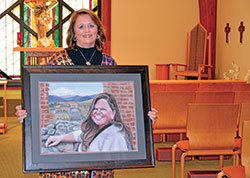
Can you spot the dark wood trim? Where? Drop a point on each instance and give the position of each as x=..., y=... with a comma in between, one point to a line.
x=24, y=25
x=21, y=30
x=57, y=26
x=99, y=9
x=67, y=6
x=60, y=24
x=11, y=8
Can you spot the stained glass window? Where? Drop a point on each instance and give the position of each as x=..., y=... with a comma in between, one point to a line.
x=9, y=27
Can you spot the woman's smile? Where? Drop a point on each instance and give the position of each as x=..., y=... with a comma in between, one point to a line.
x=102, y=113
x=98, y=117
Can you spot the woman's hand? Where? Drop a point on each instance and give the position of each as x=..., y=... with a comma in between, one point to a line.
x=53, y=141
x=20, y=113
x=153, y=114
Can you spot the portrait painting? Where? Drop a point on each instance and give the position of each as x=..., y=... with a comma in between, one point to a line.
x=86, y=118
x=68, y=106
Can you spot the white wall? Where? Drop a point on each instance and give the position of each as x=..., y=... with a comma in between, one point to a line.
x=232, y=12
x=148, y=32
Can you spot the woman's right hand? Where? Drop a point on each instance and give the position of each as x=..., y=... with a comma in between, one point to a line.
x=20, y=113
x=53, y=141
x=153, y=114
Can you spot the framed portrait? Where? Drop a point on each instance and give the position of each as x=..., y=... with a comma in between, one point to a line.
x=86, y=118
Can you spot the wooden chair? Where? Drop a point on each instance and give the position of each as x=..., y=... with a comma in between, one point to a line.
x=244, y=115
x=242, y=97
x=241, y=86
x=154, y=88
x=214, y=97
x=161, y=86
x=242, y=171
x=215, y=87
x=210, y=131
x=184, y=87
x=172, y=112
x=198, y=55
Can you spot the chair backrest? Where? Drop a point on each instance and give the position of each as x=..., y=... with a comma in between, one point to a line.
x=184, y=87
x=244, y=115
x=215, y=87
x=212, y=126
x=245, y=151
x=242, y=97
x=197, y=47
x=214, y=97
x=241, y=86
x=172, y=109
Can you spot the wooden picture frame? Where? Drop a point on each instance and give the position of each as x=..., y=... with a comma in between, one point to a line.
x=46, y=115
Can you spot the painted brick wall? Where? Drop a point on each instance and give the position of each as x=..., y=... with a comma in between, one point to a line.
x=45, y=116
x=124, y=94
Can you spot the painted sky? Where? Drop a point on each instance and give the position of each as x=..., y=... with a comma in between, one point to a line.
x=75, y=88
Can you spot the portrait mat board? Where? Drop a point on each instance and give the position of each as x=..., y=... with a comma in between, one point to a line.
x=109, y=89
x=35, y=161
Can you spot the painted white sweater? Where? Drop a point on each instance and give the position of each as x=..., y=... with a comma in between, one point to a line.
x=110, y=139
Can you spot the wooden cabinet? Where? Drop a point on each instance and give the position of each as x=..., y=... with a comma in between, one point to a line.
x=162, y=71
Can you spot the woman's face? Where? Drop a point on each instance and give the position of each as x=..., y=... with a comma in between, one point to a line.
x=102, y=113
x=85, y=31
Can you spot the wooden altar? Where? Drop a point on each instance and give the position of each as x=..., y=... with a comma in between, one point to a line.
x=162, y=71
x=37, y=55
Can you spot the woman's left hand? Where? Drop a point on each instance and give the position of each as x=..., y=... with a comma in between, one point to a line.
x=153, y=114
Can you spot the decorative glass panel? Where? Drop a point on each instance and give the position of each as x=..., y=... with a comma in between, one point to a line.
x=10, y=61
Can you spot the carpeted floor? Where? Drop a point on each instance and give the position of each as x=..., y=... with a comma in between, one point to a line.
x=11, y=159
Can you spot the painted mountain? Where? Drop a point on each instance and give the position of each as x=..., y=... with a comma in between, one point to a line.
x=75, y=98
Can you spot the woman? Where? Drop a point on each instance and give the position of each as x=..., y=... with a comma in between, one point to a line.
x=85, y=40
x=103, y=129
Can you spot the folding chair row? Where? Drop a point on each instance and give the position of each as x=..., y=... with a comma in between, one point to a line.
x=204, y=86
x=172, y=107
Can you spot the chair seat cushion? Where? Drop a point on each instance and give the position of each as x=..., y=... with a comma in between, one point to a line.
x=234, y=171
